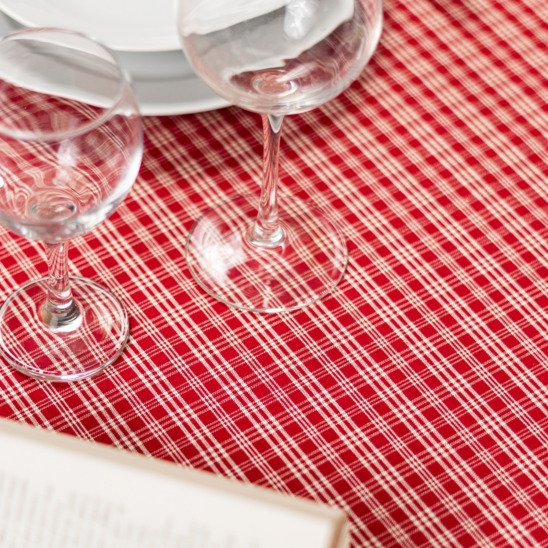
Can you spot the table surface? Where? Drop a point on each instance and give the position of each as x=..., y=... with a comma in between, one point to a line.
x=415, y=397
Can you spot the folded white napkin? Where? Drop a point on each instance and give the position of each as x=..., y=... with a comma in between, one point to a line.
x=303, y=24
x=207, y=16
x=212, y=15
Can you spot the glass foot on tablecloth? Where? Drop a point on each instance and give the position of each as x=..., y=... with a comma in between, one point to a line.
x=306, y=265
x=92, y=342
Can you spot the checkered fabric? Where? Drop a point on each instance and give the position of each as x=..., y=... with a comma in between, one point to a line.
x=416, y=396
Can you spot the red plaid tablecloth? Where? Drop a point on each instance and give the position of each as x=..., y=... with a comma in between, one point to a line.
x=416, y=396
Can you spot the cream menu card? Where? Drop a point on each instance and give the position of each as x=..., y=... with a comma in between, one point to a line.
x=58, y=491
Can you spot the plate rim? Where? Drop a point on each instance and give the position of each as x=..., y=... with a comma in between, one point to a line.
x=161, y=43
x=149, y=106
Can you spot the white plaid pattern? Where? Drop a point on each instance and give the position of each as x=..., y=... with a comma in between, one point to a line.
x=415, y=397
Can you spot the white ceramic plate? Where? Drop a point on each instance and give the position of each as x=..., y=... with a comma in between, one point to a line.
x=123, y=25
x=164, y=82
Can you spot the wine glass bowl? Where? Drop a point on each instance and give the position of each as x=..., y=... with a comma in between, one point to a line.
x=70, y=150
x=292, y=58
x=269, y=253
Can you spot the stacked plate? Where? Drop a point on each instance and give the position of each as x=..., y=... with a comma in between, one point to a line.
x=143, y=35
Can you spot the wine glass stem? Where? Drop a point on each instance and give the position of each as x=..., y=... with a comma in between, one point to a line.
x=267, y=230
x=60, y=311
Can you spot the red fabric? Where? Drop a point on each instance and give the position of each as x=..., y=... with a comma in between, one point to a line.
x=415, y=397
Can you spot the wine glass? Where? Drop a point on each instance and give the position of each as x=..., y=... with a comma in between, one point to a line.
x=269, y=253
x=70, y=149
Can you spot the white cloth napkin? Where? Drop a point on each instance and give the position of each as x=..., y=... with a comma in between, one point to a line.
x=303, y=24
x=212, y=15
x=208, y=16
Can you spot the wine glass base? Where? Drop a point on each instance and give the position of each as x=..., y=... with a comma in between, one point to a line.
x=31, y=347
x=227, y=265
